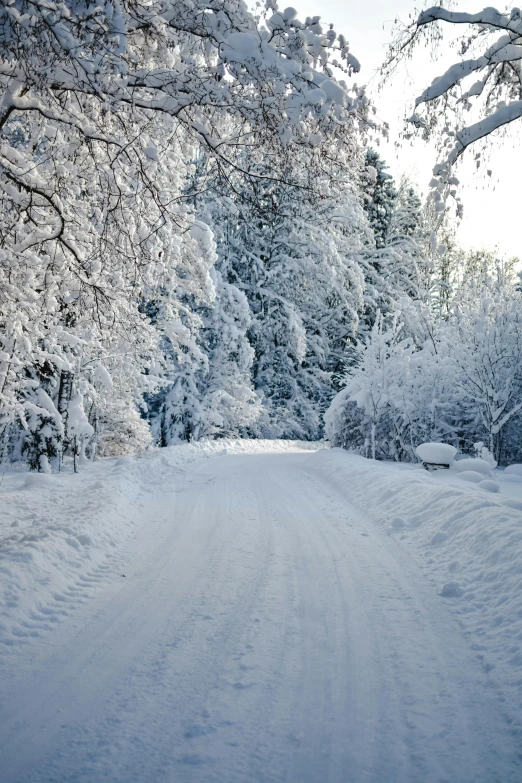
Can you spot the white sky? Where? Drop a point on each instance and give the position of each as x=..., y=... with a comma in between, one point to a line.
x=491, y=205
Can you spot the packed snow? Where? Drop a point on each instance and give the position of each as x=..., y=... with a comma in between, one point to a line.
x=60, y=535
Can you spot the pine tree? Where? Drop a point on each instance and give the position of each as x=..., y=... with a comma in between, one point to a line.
x=380, y=195
x=295, y=255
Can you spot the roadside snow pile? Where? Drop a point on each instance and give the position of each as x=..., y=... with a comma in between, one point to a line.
x=212, y=448
x=471, y=475
x=475, y=464
x=436, y=453
x=468, y=539
x=61, y=535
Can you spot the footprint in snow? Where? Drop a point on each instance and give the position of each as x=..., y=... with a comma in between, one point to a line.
x=198, y=731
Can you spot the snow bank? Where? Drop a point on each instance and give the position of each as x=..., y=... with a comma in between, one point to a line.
x=477, y=465
x=61, y=536
x=471, y=475
x=514, y=470
x=467, y=539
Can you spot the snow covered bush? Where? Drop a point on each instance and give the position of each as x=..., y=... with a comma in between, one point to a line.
x=372, y=385
x=486, y=338
x=421, y=379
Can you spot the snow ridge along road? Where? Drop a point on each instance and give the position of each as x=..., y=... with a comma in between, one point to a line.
x=265, y=631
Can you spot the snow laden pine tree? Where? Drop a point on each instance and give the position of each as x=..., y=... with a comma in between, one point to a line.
x=380, y=195
x=294, y=253
x=227, y=388
x=206, y=385
x=396, y=262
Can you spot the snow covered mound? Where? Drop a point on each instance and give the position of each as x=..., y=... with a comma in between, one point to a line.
x=61, y=535
x=469, y=542
x=490, y=486
x=212, y=448
x=475, y=464
x=509, y=478
x=515, y=470
x=437, y=453
x=471, y=475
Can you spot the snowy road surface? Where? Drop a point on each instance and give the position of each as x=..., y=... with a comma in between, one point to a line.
x=258, y=628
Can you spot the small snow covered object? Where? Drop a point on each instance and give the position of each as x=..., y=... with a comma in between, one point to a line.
x=436, y=455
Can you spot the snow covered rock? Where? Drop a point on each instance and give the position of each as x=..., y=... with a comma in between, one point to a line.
x=436, y=453
x=476, y=465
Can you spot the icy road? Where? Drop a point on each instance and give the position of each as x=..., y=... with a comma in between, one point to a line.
x=257, y=629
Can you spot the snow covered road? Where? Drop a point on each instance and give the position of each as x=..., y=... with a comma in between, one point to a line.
x=258, y=628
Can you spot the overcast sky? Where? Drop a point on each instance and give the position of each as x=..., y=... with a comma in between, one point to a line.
x=492, y=205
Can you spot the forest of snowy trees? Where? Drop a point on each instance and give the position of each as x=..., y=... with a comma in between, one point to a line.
x=198, y=239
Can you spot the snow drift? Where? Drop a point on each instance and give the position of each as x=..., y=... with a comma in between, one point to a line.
x=468, y=540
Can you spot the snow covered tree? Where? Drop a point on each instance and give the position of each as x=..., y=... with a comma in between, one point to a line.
x=496, y=91
x=456, y=379
x=405, y=269
x=372, y=385
x=294, y=253
x=487, y=358
x=104, y=109
x=485, y=87
x=398, y=266
x=380, y=195
x=206, y=386
x=227, y=388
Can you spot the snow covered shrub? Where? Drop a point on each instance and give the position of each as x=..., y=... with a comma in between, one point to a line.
x=483, y=453
x=345, y=423
x=419, y=378
x=121, y=431
x=78, y=429
x=373, y=385
x=486, y=353
x=43, y=433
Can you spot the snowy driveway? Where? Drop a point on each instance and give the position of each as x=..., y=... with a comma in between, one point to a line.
x=263, y=631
